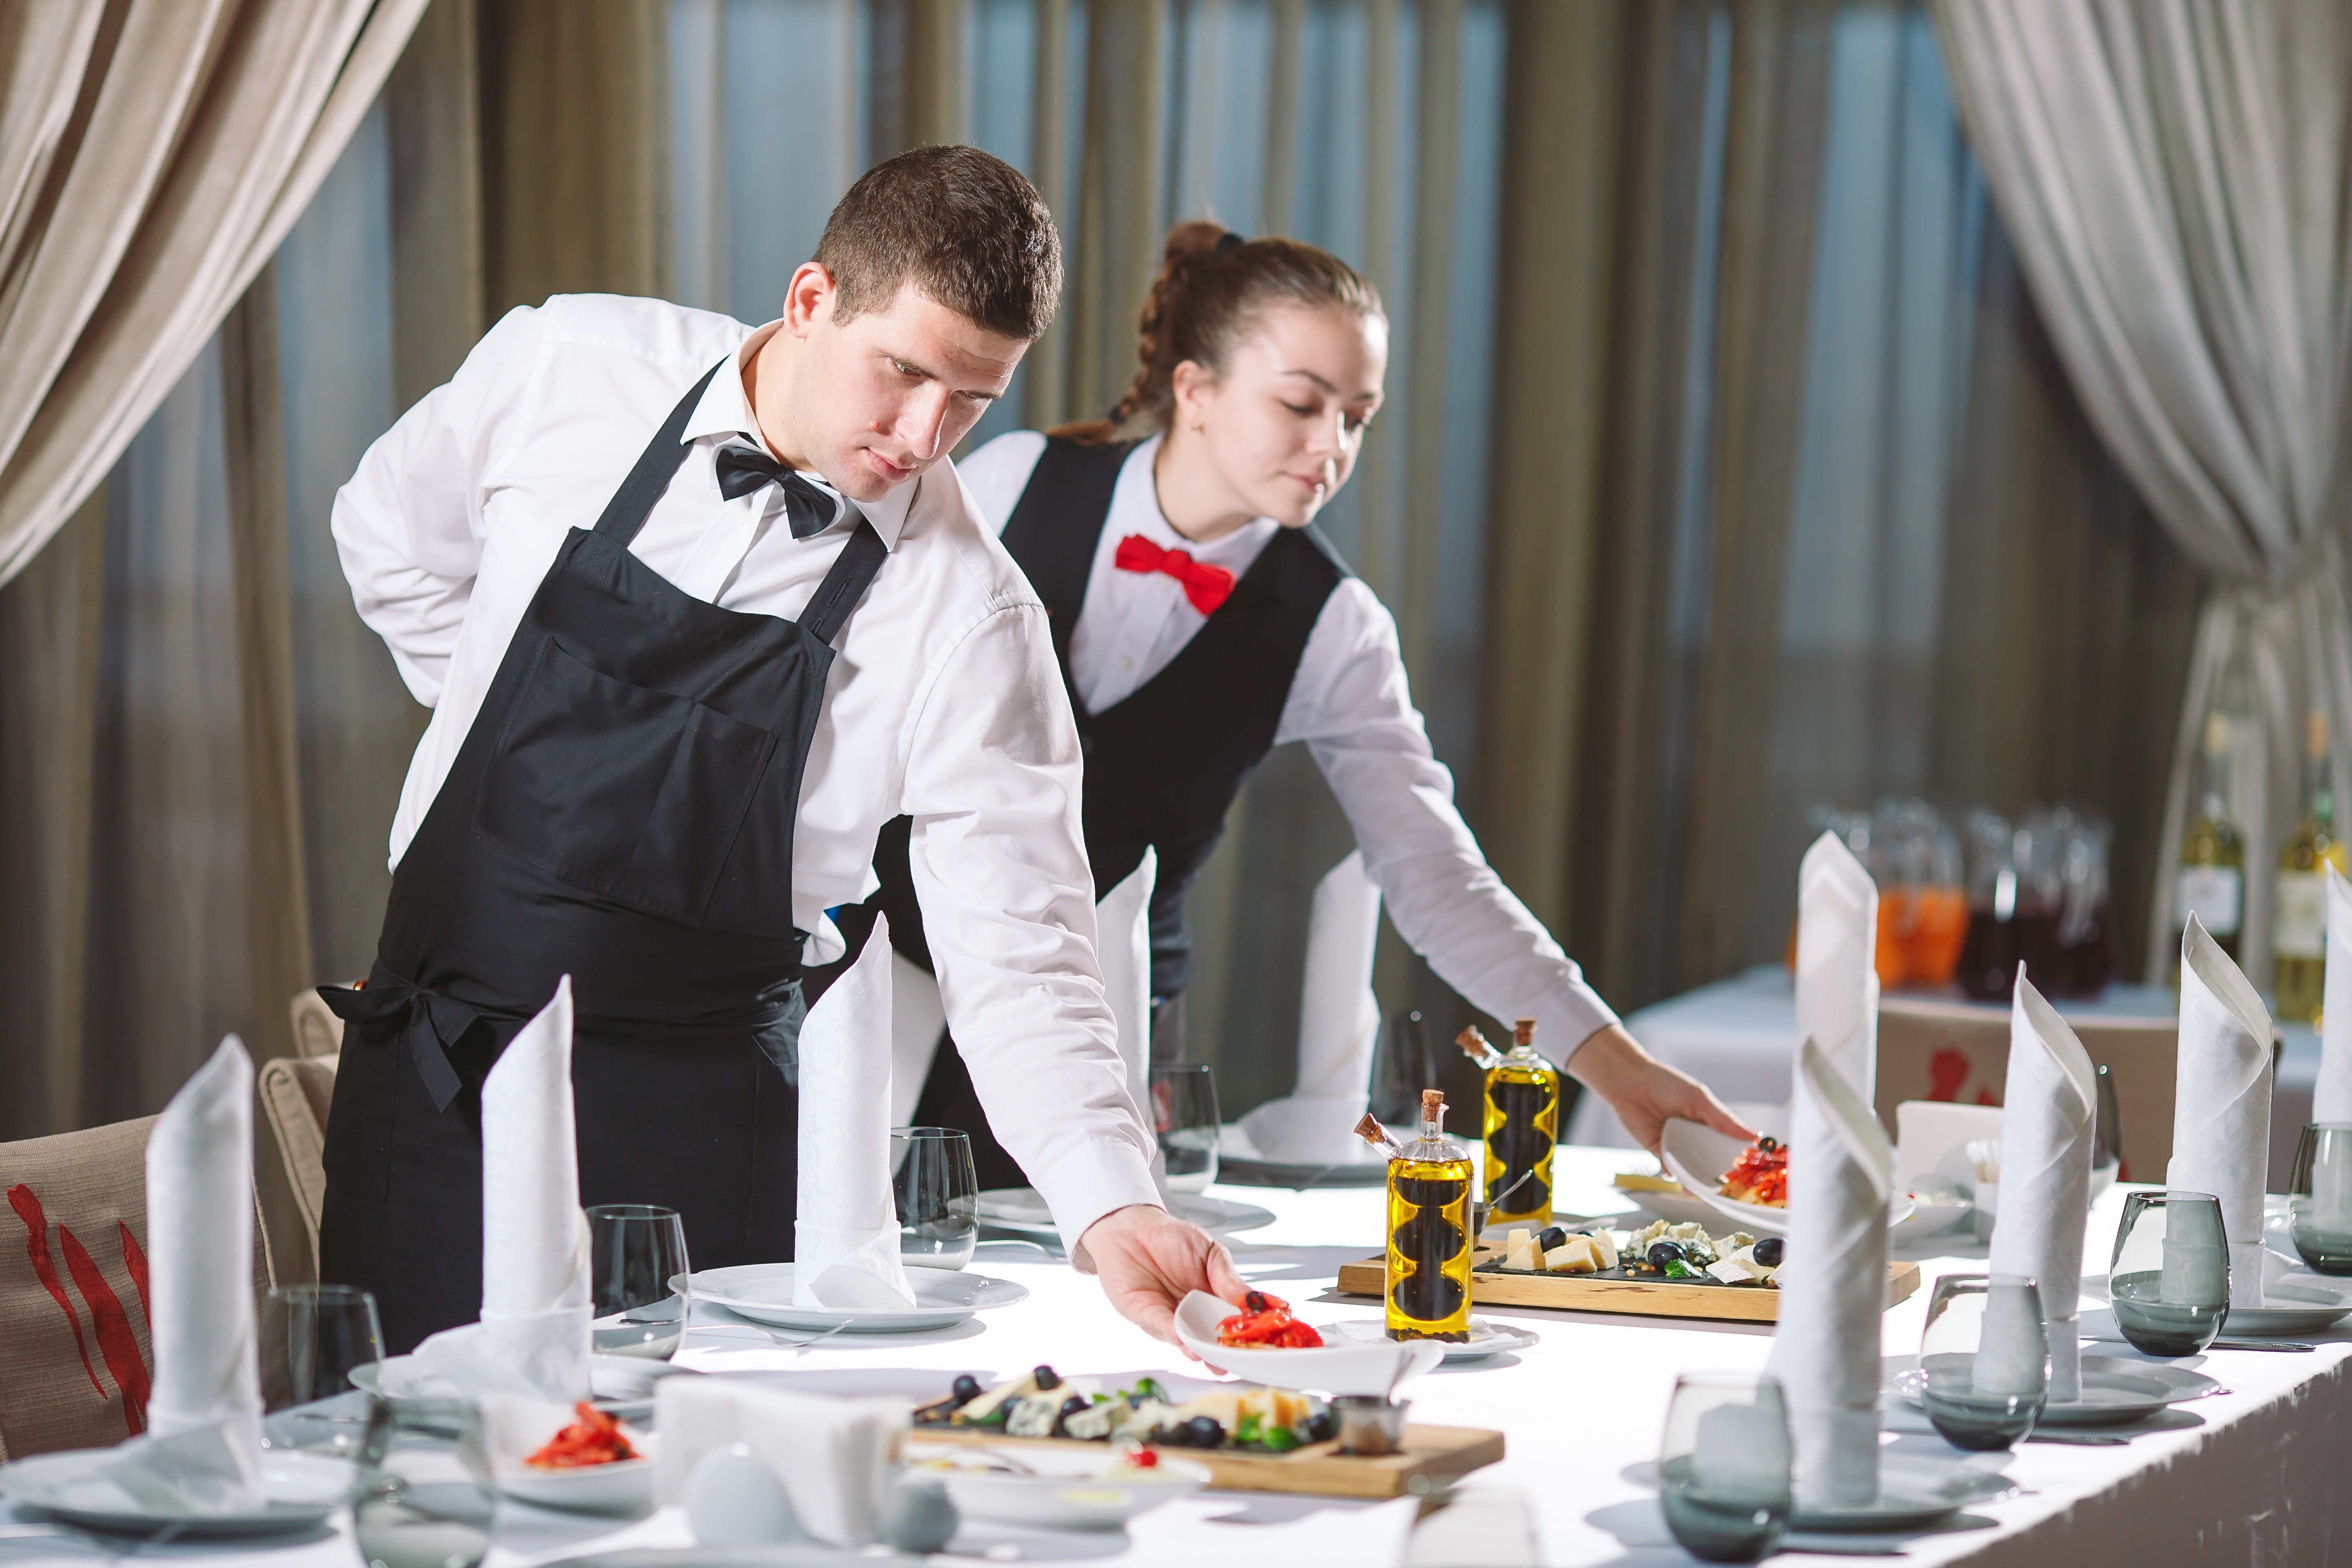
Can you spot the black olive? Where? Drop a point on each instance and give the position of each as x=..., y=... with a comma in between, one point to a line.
x=967, y=1389
x=1767, y=1145
x=1322, y=1427
x=1551, y=1237
x=1256, y=1302
x=1662, y=1253
x=1206, y=1432
x=1047, y=1379
x=1769, y=1252
x=1072, y=1405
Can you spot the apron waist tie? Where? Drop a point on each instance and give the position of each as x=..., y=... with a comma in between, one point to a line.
x=432, y=1022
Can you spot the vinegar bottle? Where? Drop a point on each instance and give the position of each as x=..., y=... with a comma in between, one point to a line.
x=2211, y=877
x=1521, y=1125
x=2299, y=936
x=1429, y=1233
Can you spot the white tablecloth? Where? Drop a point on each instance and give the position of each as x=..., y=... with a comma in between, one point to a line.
x=2249, y=1476
x=1738, y=1036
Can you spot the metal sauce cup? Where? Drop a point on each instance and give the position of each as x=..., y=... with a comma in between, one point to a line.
x=1369, y=1425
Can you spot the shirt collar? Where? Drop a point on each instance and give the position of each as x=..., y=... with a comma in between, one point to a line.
x=724, y=412
x=1135, y=509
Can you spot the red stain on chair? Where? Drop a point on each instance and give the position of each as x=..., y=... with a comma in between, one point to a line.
x=134, y=1263
x=36, y=1246
x=1947, y=1069
x=115, y=1341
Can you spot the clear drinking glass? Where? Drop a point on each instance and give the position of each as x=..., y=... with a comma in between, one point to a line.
x=425, y=1500
x=937, y=1195
x=2169, y=1281
x=637, y=1271
x=1185, y=1110
x=1724, y=1466
x=312, y=1336
x=1986, y=1359
x=2321, y=1206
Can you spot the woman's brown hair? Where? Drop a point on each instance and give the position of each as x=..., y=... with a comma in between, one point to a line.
x=1213, y=287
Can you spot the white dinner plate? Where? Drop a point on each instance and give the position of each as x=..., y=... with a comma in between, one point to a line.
x=1676, y=1208
x=2288, y=1308
x=1915, y=1490
x=301, y=1488
x=2116, y=1390
x=1021, y=1211
x=763, y=1293
x=1379, y=1367
x=513, y=1428
x=1488, y=1338
x=612, y=1379
x=1065, y=1488
x=1238, y=1160
x=1696, y=1156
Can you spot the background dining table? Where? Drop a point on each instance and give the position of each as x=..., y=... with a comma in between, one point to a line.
x=2246, y=1475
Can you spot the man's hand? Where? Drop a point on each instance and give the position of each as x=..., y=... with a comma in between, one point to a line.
x=1644, y=1092
x=1147, y=1260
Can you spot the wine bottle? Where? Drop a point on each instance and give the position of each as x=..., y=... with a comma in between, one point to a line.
x=2299, y=939
x=1428, y=1282
x=1521, y=1127
x=2211, y=882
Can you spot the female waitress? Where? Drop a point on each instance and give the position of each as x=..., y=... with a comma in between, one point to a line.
x=1201, y=619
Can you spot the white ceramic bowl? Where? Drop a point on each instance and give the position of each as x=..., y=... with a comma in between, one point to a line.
x=1341, y=1366
x=1068, y=1488
x=1697, y=1156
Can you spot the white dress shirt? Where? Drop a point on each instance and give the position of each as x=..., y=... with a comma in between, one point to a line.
x=944, y=702
x=1349, y=704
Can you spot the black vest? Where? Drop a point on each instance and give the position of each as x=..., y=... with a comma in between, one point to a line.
x=1164, y=763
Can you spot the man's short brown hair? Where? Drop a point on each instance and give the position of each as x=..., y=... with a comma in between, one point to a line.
x=962, y=227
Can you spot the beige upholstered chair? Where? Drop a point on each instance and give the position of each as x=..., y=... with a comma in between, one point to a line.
x=75, y=1361
x=295, y=1094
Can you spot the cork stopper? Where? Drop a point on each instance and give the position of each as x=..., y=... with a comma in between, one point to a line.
x=1474, y=1043
x=1370, y=1130
x=2315, y=733
x=1433, y=1104
x=1523, y=1032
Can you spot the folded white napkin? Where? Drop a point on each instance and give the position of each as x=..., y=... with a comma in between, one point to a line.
x=2221, y=1101
x=1837, y=977
x=845, y=1222
x=832, y=1455
x=1123, y=943
x=202, y=1451
x=2331, y=1097
x=1825, y=1347
x=2047, y=1110
x=533, y=1337
x=1339, y=1025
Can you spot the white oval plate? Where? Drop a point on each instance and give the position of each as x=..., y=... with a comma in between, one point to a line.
x=1023, y=1212
x=301, y=1488
x=1486, y=1337
x=1689, y=1149
x=1930, y=1218
x=1238, y=1160
x=624, y=1487
x=1378, y=1368
x=1069, y=1490
x=2292, y=1307
x=1914, y=1491
x=2116, y=1390
x=612, y=1379
x=1675, y=1209
x=763, y=1293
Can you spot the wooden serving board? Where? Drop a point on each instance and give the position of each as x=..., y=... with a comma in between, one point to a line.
x=1432, y=1455
x=1640, y=1298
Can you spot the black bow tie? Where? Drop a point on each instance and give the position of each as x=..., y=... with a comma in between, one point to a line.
x=741, y=471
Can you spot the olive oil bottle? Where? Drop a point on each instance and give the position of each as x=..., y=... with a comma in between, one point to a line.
x=2299, y=938
x=2210, y=881
x=1521, y=1125
x=1429, y=1233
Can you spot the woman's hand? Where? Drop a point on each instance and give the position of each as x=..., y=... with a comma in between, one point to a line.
x=1644, y=1092
x=1148, y=1261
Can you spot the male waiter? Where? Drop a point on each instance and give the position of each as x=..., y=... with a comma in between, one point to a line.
x=698, y=609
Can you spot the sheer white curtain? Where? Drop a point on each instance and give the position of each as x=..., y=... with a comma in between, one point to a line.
x=2178, y=179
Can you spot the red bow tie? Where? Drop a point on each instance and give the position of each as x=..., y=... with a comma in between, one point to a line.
x=1207, y=587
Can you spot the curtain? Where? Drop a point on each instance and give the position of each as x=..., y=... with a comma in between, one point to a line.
x=153, y=154
x=1793, y=504
x=2176, y=179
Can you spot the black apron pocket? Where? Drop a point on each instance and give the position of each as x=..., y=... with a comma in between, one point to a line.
x=635, y=796
x=357, y=1156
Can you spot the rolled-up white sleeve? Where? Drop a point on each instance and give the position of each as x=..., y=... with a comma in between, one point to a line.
x=408, y=524
x=1000, y=867
x=1351, y=705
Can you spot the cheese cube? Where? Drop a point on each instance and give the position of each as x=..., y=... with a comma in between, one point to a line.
x=1574, y=1256
x=1604, y=1247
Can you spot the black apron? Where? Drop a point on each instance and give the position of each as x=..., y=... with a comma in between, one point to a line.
x=1163, y=764
x=621, y=810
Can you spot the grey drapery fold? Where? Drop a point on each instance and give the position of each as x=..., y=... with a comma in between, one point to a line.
x=2178, y=180
x=151, y=157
